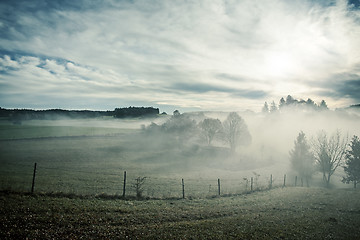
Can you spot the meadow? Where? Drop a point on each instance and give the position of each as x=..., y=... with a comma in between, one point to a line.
x=79, y=186
x=91, y=160
x=282, y=213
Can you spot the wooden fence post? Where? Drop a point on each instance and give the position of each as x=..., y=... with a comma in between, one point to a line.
x=33, y=180
x=219, y=192
x=295, y=180
x=183, y=188
x=251, y=184
x=284, y=180
x=270, y=185
x=124, y=186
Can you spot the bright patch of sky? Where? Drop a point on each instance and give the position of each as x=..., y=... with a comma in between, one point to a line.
x=187, y=55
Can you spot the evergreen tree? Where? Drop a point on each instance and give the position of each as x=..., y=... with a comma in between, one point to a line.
x=290, y=100
x=281, y=103
x=323, y=105
x=301, y=158
x=352, y=162
x=311, y=104
x=273, y=107
x=265, y=108
x=176, y=113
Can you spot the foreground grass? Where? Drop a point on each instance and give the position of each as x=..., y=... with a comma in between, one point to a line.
x=290, y=213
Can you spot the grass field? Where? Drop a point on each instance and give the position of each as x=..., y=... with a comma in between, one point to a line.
x=86, y=159
x=79, y=181
x=289, y=213
x=70, y=128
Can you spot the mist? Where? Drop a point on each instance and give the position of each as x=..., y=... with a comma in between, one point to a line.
x=172, y=146
x=272, y=137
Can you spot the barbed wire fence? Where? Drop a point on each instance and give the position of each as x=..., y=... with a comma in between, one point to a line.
x=47, y=179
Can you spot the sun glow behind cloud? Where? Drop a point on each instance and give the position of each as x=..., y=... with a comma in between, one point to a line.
x=210, y=55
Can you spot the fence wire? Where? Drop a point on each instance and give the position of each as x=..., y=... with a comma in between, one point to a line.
x=107, y=181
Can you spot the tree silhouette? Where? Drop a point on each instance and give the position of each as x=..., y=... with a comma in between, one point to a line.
x=329, y=153
x=323, y=105
x=210, y=128
x=281, y=103
x=352, y=162
x=273, y=107
x=290, y=100
x=265, y=108
x=301, y=158
x=180, y=126
x=235, y=131
x=176, y=113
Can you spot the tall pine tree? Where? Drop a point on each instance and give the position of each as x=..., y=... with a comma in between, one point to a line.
x=301, y=158
x=352, y=162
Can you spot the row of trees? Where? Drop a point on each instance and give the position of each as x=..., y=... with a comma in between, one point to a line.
x=293, y=103
x=18, y=115
x=325, y=155
x=233, y=130
x=133, y=112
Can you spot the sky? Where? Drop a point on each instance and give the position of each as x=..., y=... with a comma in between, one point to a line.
x=190, y=55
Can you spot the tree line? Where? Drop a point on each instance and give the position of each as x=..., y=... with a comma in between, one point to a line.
x=135, y=112
x=233, y=130
x=294, y=103
x=18, y=115
x=325, y=154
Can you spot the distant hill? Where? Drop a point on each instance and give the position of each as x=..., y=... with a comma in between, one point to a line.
x=18, y=115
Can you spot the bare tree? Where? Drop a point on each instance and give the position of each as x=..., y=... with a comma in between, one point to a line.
x=329, y=153
x=210, y=128
x=235, y=131
x=139, y=186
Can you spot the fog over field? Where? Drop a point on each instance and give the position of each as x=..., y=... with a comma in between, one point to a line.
x=78, y=159
x=205, y=59
x=175, y=146
x=190, y=117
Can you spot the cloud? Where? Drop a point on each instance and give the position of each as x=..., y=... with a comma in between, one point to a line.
x=244, y=51
x=206, y=88
x=350, y=89
x=200, y=87
x=343, y=86
x=7, y=63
